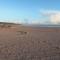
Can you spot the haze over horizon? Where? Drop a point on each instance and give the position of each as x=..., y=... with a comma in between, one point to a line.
x=30, y=11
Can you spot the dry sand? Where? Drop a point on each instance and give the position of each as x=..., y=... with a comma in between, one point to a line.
x=24, y=43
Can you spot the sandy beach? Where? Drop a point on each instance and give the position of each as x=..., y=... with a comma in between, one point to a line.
x=26, y=43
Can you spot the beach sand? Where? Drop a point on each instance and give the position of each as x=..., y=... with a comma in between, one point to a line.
x=27, y=43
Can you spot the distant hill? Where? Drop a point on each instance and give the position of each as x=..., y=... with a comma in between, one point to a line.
x=6, y=23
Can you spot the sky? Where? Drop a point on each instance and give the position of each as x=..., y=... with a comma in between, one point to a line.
x=30, y=11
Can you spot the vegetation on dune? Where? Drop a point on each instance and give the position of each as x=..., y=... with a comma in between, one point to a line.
x=6, y=25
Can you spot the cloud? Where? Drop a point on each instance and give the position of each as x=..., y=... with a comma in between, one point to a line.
x=52, y=15
x=35, y=22
x=55, y=18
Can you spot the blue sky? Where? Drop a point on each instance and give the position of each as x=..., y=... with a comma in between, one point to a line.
x=29, y=10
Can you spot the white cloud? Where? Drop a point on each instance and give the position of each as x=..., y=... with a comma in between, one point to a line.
x=35, y=22
x=55, y=18
x=53, y=15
